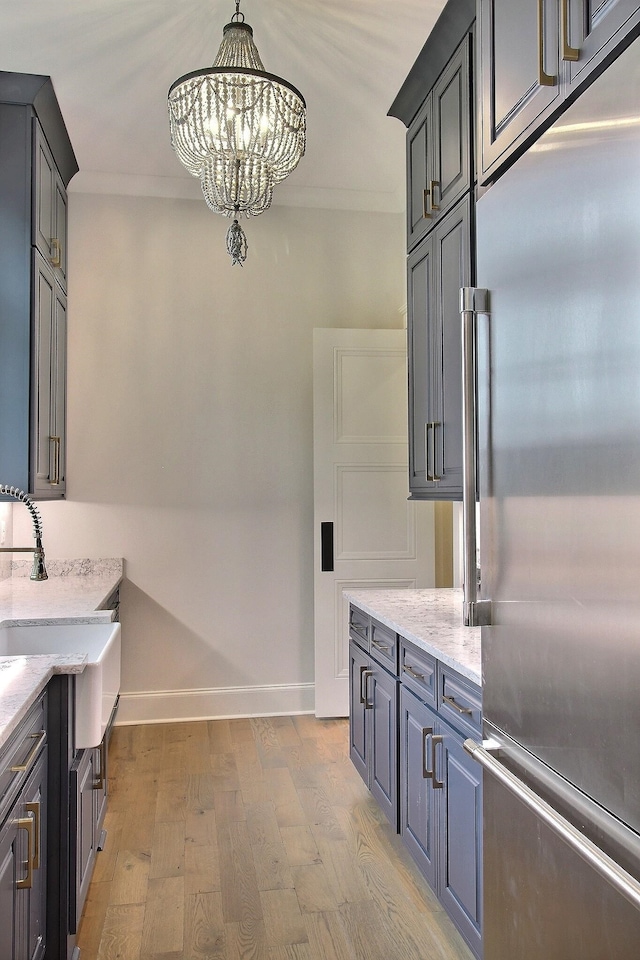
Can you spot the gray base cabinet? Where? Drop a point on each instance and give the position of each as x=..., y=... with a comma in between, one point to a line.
x=88, y=806
x=23, y=839
x=373, y=728
x=418, y=770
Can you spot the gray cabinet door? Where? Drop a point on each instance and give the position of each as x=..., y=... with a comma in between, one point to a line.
x=33, y=910
x=383, y=764
x=436, y=271
x=439, y=148
x=82, y=832
x=12, y=854
x=519, y=73
x=49, y=209
x=460, y=847
x=48, y=382
x=590, y=29
x=359, y=665
x=418, y=813
x=452, y=133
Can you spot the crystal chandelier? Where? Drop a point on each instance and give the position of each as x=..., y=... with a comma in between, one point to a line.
x=239, y=129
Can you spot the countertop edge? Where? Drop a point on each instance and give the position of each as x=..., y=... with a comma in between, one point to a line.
x=395, y=623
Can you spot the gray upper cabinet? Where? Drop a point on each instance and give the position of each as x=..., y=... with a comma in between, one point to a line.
x=535, y=57
x=436, y=104
x=437, y=268
x=49, y=209
x=36, y=165
x=439, y=148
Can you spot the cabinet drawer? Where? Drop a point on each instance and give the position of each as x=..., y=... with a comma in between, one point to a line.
x=460, y=701
x=19, y=755
x=418, y=672
x=383, y=646
x=359, y=626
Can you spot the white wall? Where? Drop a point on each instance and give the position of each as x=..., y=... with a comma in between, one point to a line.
x=190, y=435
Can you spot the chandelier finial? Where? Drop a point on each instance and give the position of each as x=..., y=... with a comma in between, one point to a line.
x=239, y=129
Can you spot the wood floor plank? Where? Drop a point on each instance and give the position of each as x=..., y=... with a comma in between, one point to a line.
x=300, y=845
x=167, y=855
x=269, y=855
x=269, y=747
x=201, y=856
x=280, y=788
x=131, y=878
x=282, y=917
x=204, y=928
x=122, y=932
x=163, y=927
x=314, y=888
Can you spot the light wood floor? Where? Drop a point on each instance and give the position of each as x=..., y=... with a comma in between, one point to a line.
x=252, y=839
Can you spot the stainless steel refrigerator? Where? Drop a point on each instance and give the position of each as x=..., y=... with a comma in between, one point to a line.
x=557, y=369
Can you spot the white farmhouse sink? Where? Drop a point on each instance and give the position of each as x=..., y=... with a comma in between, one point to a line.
x=97, y=686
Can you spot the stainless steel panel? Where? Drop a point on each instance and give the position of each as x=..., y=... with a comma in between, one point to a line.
x=559, y=435
x=540, y=898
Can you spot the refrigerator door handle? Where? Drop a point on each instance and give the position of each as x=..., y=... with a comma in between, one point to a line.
x=603, y=864
x=473, y=300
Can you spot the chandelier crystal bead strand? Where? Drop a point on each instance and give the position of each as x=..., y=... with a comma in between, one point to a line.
x=238, y=129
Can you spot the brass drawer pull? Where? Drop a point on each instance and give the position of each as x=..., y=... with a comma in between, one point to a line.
x=26, y=823
x=432, y=193
x=413, y=673
x=23, y=767
x=456, y=706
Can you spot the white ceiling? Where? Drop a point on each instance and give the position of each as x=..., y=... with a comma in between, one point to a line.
x=113, y=61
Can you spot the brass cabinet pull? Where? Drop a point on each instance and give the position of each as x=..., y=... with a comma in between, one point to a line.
x=34, y=808
x=456, y=706
x=544, y=79
x=56, y=461
x=437, y=784
x=412, y=672
x=432, y=193
x=26, y=823
x=23, y=767
x=568, y=52
x=426, y=773
x=425, y=205
x=55, y=256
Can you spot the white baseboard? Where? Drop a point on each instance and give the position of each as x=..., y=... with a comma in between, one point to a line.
x=164, y=706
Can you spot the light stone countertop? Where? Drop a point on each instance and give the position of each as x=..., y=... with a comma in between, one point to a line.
x=430, y=619
x=74, y=593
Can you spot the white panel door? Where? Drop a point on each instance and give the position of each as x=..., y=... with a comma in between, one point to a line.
x=379, y=538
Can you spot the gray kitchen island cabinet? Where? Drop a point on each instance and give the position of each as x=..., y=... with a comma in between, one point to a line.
x=373, y=729
x=36, y=165
x=23, y=839
x=535, y=57
x=438, y=810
